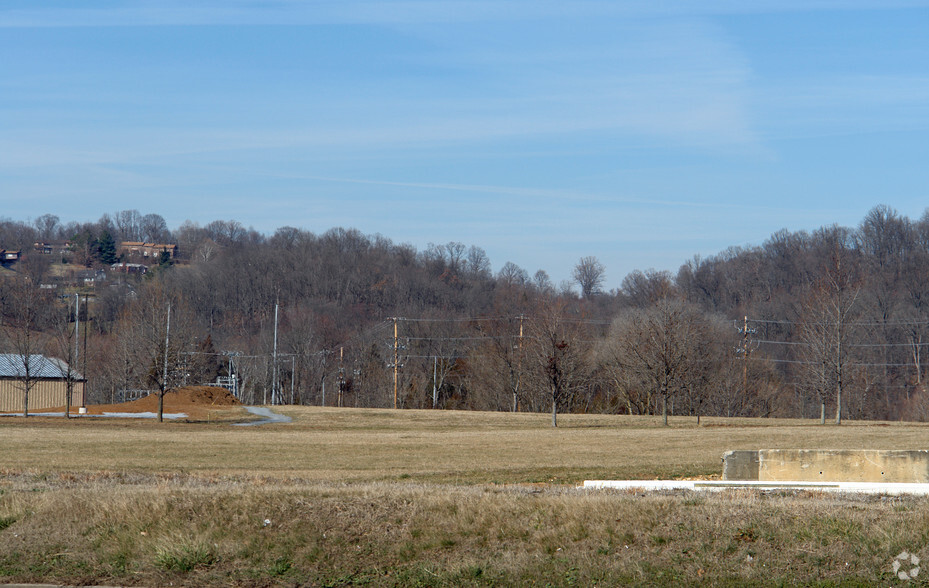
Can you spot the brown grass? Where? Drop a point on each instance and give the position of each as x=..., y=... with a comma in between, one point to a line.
x=329, y=444
x=431, y=498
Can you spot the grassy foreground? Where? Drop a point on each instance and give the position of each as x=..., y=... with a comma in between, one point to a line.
x=400, y=498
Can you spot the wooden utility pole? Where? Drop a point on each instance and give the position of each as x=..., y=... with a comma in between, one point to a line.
x=519, y=366
x=435, y=390
x=77, y=325
x=745, y=357
x=341, y=375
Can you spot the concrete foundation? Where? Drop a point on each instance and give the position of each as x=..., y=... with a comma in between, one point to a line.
x=710, y=486
x=824, y=465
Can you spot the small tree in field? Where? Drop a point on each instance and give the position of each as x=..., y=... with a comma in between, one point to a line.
x=24, y=307
x=157, y=335
x=63, y=345
x=561, y=354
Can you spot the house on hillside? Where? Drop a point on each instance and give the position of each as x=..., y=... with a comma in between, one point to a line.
x=49, y=389
x=129, y=268
x=8, y=257
x=52, y=247
x=136, y=250
x=89, y=277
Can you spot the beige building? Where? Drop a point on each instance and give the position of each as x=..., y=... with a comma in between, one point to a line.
x=50, y=383
x=136, y=250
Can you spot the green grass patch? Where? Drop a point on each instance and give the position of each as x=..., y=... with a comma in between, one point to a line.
x=185, y=556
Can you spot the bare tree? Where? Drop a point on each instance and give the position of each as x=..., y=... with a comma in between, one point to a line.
x=478, y=262
x=64, y=345
x=128, y=225
x=35, y=267
x=661, y=352
x=24, y=307
x=828, y=327
x=159, y=336
x=589, y=273
x=155, y=229
x=561, y=354
x=498, y=365
x=543, y=283
x=644, y=289
x=512, y=275
x=46, y=225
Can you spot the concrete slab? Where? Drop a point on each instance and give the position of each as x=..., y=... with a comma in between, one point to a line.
x=890, y=489
x=828, y=465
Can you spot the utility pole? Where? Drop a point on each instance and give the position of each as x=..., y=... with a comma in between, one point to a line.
x=341, y=375
x=274, y=359
x=435, y=391
x=838, y=371
x=744, y=351
x=745, y=356
x=396, y=361
x=519, y=366
x=72, y=361
x=77, y=325
x=84, y=358
x=356, y=383
x=164, y=375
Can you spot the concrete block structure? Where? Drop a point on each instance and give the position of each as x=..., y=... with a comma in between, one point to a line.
x=827, y=465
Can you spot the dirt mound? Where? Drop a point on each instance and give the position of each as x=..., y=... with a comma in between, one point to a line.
x=211, y=395
x=195, y=401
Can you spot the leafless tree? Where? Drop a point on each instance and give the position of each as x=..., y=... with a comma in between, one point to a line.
x=667, y=350
x=26, y=310
x=828, y=327
x=478, y=262
x=644, y=289
x=512, y=275
x=47, y=226
x=543, y=283
x=64, y=345
x=128, y=225
x=154, y=229
x=35, y=266
x=589, y=274
x=498, y=364
x=158, y=335
x=561, y=355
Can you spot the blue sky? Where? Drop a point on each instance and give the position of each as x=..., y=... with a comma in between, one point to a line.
x=640, y=132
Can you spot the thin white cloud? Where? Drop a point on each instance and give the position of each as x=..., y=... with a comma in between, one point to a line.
x=679, y=82
x=396, y=12
x=838, y=105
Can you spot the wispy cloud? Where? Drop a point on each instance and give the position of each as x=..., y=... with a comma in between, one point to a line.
x=677, y=81
x=393, y=12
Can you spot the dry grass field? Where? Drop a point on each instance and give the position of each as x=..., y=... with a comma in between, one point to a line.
x=380, y=497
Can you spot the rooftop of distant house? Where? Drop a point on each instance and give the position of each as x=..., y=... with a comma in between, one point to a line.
x=147, y=249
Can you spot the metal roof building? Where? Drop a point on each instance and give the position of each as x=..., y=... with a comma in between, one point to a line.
x=49, y=389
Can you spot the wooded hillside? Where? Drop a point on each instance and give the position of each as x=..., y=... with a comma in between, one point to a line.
x=835, y=317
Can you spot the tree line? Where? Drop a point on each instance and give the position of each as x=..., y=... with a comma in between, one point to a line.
x=807, y=324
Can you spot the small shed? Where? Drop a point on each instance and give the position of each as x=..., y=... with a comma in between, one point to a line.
x=49, y=389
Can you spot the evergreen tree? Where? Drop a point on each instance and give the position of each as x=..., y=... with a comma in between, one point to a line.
x=164, y=259
x=106, y=249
